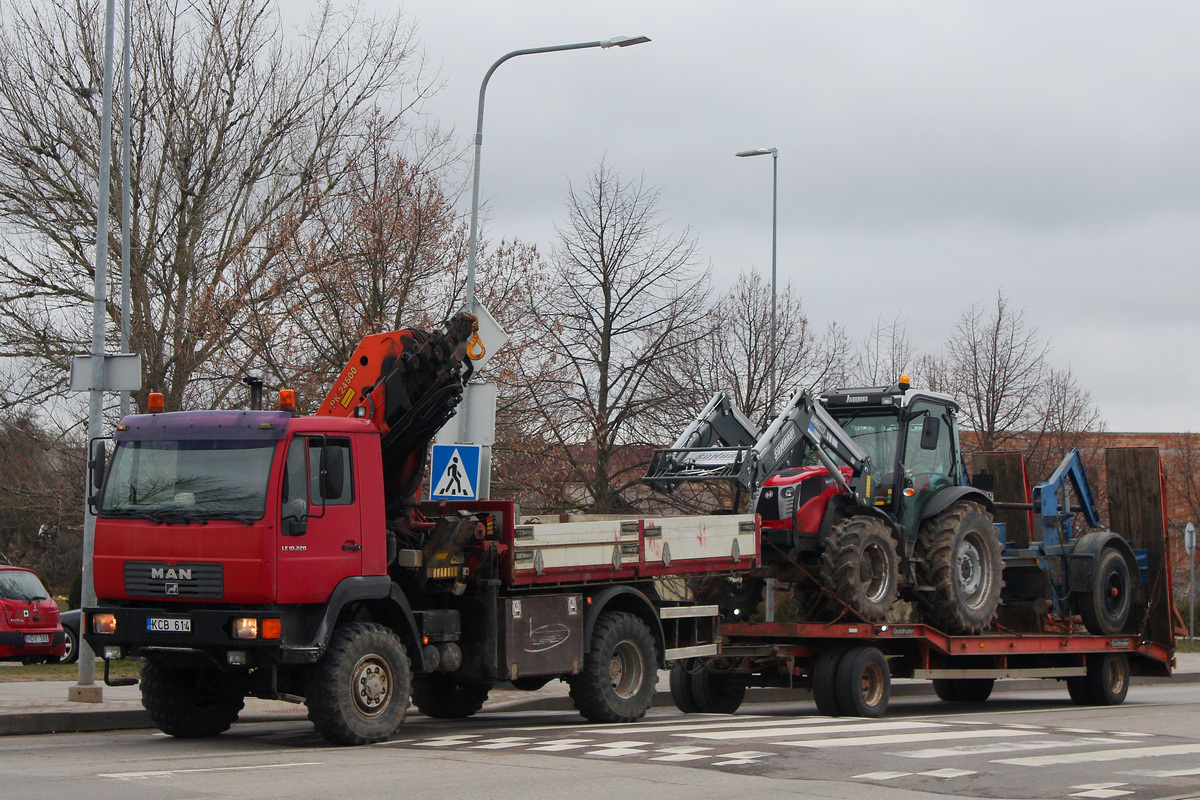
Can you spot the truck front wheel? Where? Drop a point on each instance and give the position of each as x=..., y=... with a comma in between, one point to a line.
x=620, y=671
x=358, y=692
x=182, y=704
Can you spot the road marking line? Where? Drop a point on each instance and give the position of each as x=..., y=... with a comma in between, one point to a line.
x=682, y=753
x=558, y=745
x=995, y=747
x=501, y=742
x=169, y=772
x=1100, y=790
x=703, y=720
x=741, y=758
x=445, y=741
x=879, y=776
x=1096, y=756
x=851, y=727
x=903, y=738
x=730, y=725
x=615, y=749
x=948, y=773
x=1164, y=773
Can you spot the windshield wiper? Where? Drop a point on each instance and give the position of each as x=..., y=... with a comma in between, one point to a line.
x=233, y=515
x=130, y=514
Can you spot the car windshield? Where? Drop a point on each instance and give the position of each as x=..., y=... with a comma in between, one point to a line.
x=191, y=479
x=18, y=585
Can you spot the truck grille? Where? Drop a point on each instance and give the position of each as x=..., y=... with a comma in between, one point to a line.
x=185, y=581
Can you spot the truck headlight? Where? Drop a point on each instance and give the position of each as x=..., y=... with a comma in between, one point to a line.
x=104, y=623
x=245, y=628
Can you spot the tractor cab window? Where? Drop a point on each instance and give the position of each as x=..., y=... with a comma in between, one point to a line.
x=877, y=434
x=928, y=447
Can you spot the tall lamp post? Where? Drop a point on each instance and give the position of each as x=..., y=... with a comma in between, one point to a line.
x=774, y=154
x=473, y=242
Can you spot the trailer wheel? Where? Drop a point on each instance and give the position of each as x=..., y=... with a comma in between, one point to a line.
x=619, y=673
x=681, y=686
x=181, y=705
x=861, y=566
x=718, y=692
x=358, y=692
x=963, y=690
x=439, y=696
x=1106, y=682
x=824, y=688
x=864, y=684
x=959, y=554
x=1105, y=609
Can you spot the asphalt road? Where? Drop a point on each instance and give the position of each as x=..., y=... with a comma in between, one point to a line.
x=1031, y=745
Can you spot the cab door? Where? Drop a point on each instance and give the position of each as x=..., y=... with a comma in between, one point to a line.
x=320, y=531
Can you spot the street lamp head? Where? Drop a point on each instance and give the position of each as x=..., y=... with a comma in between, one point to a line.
x=762, y=151
x=624, y=41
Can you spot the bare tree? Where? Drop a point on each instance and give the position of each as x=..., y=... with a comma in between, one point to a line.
x=626, y=301
x=998, y=368
x=232, y=130
x=885, y=354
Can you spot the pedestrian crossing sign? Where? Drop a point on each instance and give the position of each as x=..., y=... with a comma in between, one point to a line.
x=454, y=472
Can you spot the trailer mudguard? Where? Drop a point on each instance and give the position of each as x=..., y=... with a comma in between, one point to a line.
x=1082, y=560
x=944, y=498
x=625, y=598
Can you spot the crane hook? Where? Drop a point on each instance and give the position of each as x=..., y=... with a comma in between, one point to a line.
x=475, y=348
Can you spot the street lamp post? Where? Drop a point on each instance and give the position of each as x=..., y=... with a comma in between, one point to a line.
x=774, y=153
x=473, y=241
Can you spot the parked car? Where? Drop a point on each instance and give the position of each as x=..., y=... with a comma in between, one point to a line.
x=30, y=630
x=70, y=623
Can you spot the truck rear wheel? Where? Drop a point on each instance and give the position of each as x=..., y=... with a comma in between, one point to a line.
x=358, y=692
x=959, y=554
x=861, y=566
x=442, y=697
x=619, y=672
x=824, y=688
x=864, y=683
x=717, y=692
x=1105, y=609
x=181, y=703
x=681, y=685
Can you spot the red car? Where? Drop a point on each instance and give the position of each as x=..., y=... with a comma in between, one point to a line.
x=30, y=629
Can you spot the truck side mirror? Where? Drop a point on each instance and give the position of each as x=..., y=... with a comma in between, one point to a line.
x=333, y=472
x=295, y=517
x=930, y=430
x=96, y=464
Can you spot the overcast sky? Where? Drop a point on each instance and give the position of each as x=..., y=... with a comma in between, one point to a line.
x=930, y=154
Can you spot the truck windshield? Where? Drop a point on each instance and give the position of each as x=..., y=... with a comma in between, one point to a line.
x=18, y=585
x=191, y=479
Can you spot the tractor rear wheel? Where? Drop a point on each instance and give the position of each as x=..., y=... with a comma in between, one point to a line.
x=959, y=556
x=861, y=566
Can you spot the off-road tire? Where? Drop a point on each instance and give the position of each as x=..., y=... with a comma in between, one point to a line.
x=1106, y=609
x=616, y=683
x=181, y=705
x=958, y=552
x=681, y=686
x=824, y=688
x=439, y=696
x=861, y=566
x=864, y=683
x=963, y=690
x=358, y=692
x=717, y=692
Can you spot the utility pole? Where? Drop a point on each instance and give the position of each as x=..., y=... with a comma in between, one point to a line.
x=1189, y=544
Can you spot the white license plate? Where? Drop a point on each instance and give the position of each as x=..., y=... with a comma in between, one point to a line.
x=168, y=625
x=37, y=638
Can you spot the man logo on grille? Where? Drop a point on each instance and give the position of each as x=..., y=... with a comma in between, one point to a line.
x=172, y=588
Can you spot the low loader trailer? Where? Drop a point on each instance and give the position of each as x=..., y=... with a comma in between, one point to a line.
x=848, y=665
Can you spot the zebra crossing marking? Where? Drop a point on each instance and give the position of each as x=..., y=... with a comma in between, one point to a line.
x=904, y=738
x=1097, y=756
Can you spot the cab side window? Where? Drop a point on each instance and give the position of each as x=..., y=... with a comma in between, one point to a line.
x=298, y=495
